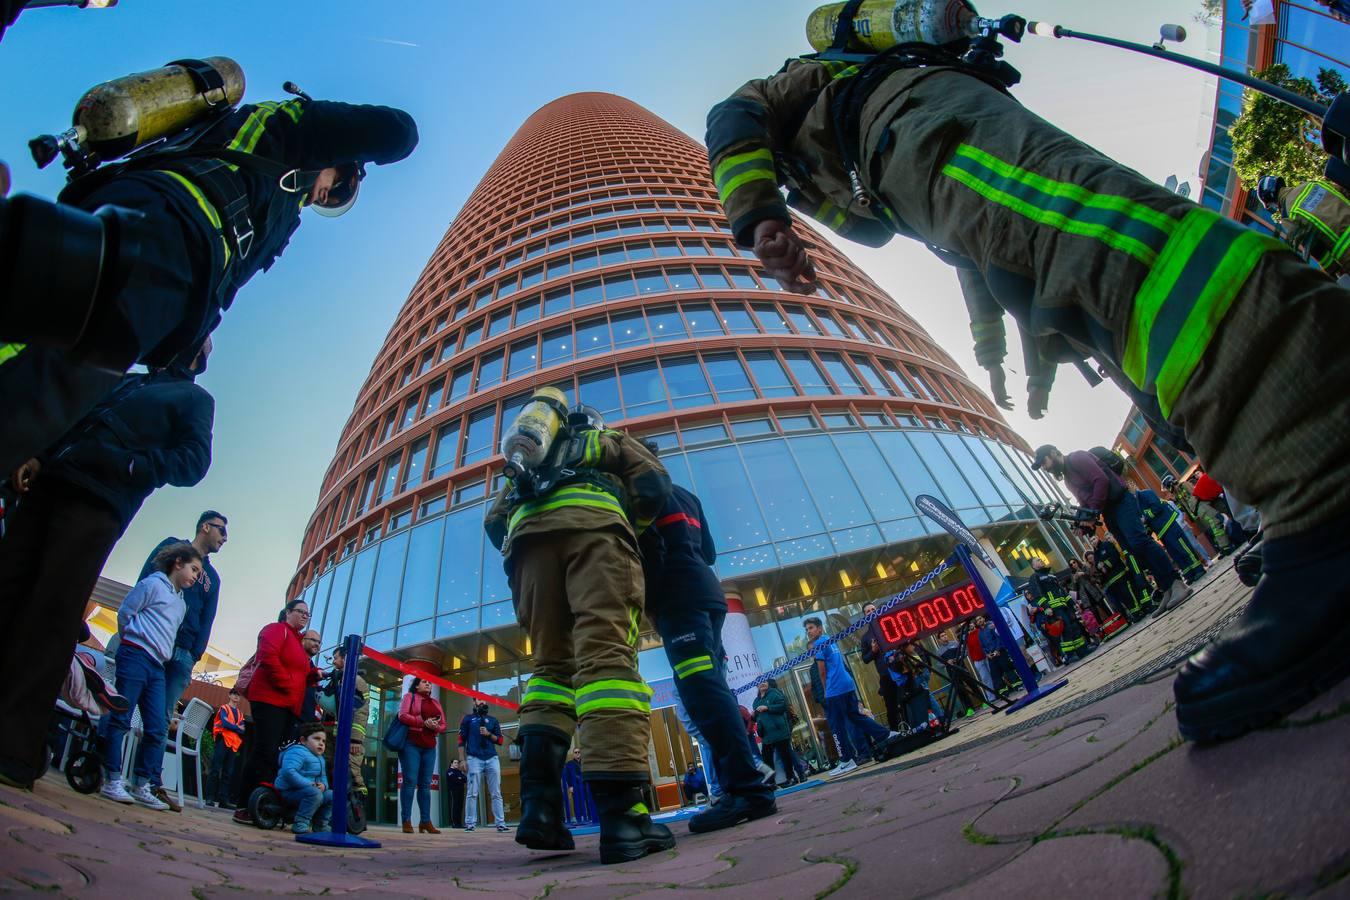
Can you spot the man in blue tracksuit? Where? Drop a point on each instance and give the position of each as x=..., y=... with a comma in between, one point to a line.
x=686, y=603
x=841, y=699
x=1165, y=522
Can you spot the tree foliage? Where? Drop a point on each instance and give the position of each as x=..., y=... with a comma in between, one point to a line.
x=1274, y=138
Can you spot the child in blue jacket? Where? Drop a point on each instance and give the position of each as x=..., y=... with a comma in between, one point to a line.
x=302, y=781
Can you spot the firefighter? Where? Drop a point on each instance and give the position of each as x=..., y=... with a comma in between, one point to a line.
x=686, y=604
x=1114, y=571
x=1098, y=487
x=1161, y=519
x=209, y=225
x=1316, y=218
x=1053, y=601
x=1225, y=332
x=1200, y=513
x=569, y=543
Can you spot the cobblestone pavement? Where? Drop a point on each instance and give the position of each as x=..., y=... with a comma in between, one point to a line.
x=1093, y=795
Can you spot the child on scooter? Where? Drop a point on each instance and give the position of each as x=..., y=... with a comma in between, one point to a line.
x=302, y=781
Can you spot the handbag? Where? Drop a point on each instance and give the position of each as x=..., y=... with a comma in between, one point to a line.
x=245, y=676
x=396, y=735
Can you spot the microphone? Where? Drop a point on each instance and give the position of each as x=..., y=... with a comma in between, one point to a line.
x=1174, y=33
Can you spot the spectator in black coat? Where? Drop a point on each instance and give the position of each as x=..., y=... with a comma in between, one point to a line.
x=76, y=500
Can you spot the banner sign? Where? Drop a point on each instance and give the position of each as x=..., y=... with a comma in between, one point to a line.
x=939, y=512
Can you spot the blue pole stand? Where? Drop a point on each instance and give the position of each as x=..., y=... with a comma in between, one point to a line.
x=1035, y=690
x=337, y=835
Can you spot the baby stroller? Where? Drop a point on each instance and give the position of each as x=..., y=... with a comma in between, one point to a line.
x=73, y=743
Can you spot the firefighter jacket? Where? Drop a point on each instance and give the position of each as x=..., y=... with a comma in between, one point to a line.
x=1158, y=516
x=783, y=131
x=617, y=483
x=1319, y=217
x=297, y=134
x=677, y=557
x=1047, y=591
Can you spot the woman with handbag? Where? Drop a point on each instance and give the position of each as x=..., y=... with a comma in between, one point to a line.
x=276, y=692
x=424, y=719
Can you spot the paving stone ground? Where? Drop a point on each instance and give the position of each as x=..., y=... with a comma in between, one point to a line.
x=1088, y=793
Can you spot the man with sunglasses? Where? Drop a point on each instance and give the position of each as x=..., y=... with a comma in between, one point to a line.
x=202, y=599
x=215, y=205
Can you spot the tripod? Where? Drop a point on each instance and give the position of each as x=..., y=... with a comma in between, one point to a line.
x=955, y=671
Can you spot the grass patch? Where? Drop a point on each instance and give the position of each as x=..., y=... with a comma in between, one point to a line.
x=1092, y=739
x=975, y=836
x=850, y=869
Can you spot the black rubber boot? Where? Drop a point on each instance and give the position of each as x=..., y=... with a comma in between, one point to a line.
x=1287, y=647
x=627, y=832
x=541, y=827
x=1248, y=564
x=732, y=811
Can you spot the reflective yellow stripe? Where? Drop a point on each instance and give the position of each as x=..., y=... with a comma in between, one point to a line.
x=207, y=208
x=693, y=666
x=539, y=690
x=9, y=351
x=830, y=215
x=614, y=693
x=576, y=495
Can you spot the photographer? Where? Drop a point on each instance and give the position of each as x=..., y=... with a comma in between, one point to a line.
x=207, y=226
x=910, y=676
x=1097, y=487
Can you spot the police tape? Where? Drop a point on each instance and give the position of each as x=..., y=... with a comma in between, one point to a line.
x=857, y=626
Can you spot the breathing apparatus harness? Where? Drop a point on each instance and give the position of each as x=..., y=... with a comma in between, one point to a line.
x=562, y=466
x=981, y=60
x=211, y=169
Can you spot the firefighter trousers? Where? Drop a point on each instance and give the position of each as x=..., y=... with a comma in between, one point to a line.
x=578, y=595
x=1174, y=542
x=692, y=637
x=1240, y=341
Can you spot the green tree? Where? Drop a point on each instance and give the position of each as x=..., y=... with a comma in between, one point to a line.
x=1273, y=138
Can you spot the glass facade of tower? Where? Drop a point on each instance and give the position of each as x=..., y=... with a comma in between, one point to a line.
x=594, y=257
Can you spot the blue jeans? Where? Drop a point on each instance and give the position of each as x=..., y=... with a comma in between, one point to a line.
x=418, y=764
x=177, y=674
x=704, y=749
x=842, y=714
x=313, y=807
x=140, y=678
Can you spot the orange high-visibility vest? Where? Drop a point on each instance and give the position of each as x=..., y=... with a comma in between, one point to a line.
x=235, y=717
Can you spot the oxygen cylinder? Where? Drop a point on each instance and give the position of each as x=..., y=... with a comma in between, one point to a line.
x=526, y=443
x=880, y=24
x=116, y=117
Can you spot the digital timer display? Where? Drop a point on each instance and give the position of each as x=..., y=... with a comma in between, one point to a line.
x=929, y=616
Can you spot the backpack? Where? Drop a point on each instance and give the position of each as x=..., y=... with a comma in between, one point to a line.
x=1110, y=460
x=245, y=676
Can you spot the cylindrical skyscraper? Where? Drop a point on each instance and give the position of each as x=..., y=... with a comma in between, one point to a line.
x=594, y=257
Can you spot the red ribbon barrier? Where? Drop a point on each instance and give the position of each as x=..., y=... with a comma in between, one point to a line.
x=400, y=666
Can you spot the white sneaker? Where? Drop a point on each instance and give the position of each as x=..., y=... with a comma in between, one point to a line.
x=843, y=767
x=893, y=735
x=116, y=791
x=146, y=797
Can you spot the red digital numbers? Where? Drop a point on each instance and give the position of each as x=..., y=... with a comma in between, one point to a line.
x=930, y=615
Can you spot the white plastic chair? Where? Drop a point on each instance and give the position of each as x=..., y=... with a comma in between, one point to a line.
x=192, y=724
x=129, y=741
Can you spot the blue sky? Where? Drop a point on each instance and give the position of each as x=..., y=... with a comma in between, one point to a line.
x=293, y=351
